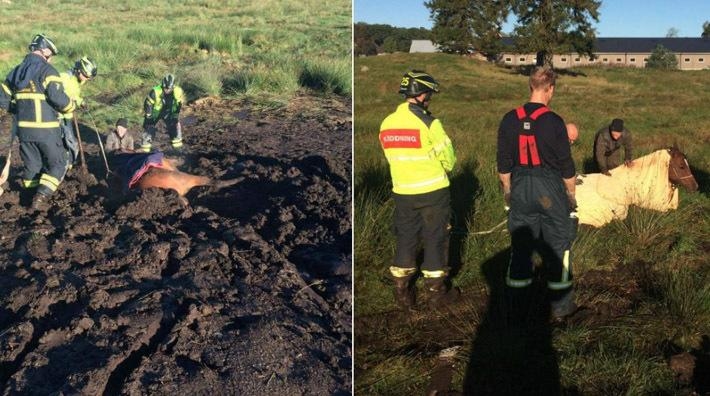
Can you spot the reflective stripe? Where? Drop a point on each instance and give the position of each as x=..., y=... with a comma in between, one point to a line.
x=442, y=146
x=51, y=79
x=177, y=144
x=422, y=184
x=565, y=267
x=517, y=283
x=400, y=272
x=149, y=100
x=559, y=285
x=6, y=89
x=33, y=124
x=409, y=158
x=30, y=183
x=27, y=95
x=434, y=274
x=48, y=181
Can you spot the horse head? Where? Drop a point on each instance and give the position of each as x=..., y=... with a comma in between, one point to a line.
x=679, y=171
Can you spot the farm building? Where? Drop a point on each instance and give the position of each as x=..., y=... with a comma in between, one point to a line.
x=423, y=46
x=692, y=53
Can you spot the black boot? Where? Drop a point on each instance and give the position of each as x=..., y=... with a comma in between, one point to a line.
x=404, y=291
x=562, y=307
x=40, y=202
x=438, y=294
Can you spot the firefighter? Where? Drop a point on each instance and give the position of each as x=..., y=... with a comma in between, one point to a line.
x=84, y=70
x=163, y=103
x=537, y=174
x=419, y=154
x=38, y=98
x=607, y=144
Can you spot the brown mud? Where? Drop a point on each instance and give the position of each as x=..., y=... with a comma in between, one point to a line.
x=245, y=291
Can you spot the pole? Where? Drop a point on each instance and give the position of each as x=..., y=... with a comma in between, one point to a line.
x=101, y=144
x=81, y=146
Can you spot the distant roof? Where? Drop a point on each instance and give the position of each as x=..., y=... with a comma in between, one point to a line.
x=423, y=46
x=648, y=44
x=643, y=44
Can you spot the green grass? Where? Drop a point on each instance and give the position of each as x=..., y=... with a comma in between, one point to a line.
x=267, y=51
x=668, y=250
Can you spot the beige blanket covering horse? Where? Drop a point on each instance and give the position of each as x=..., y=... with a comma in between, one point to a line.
x=601, y=199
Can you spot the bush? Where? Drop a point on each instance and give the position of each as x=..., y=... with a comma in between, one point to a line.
x=662, y=58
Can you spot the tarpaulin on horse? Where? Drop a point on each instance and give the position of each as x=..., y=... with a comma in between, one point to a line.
x=601, y=199
x=130, y=167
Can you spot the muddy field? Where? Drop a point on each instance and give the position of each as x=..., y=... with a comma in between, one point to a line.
x=245, y=291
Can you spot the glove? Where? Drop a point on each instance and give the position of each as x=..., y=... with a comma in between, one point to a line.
x=606, y=173
x=629, y=163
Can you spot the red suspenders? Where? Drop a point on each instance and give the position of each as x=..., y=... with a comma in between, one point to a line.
x=527, y=146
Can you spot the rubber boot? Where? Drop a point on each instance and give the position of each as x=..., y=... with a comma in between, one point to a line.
x=40, y=202
x=404, y=292
x=438, y=294
x=562, y=307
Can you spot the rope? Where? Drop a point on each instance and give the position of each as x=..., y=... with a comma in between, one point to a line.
x=483, y=232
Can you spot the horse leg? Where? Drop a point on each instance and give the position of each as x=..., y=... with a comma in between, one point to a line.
x=219, y=184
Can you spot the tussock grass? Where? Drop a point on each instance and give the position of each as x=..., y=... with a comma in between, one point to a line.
x=666, y=253
x=229, y=48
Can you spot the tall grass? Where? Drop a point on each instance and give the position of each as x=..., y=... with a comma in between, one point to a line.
x=624, y=355
x=257, y=50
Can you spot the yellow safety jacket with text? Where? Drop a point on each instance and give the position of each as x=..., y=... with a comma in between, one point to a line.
x=417, y=149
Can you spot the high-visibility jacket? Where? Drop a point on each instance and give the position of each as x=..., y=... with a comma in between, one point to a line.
x=418, y=150
x=156, y=100
x=39, y=97
x=72, y=87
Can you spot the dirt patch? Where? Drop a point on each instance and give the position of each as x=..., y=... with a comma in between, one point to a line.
x=246, y=289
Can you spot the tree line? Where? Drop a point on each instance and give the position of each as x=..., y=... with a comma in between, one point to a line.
x=377, y=39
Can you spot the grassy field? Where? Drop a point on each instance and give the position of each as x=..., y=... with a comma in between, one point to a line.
x=647, y=278
x=266, y=51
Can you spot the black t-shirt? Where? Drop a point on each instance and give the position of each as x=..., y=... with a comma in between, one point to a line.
x=550, y=135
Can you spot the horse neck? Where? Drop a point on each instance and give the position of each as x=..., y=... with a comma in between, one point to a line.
x=648, y=182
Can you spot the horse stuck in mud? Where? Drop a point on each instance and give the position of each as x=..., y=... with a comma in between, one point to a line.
x=650, y=184
x=153, y=170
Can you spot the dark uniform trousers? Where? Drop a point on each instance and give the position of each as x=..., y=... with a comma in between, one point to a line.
x=425, y=218
x=70, y=140
x=51, y=147
x=539, y=219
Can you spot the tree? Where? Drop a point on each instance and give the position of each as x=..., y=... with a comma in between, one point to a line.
x=672, y=32
x=452, y=24
x=462, y=25
x=706, y=30
x=662, y=58
x=549, y=26
x=364, y=43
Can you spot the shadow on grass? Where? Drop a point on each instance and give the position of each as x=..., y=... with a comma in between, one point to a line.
x=374, y=181
x=511, y=351
x=464, y=188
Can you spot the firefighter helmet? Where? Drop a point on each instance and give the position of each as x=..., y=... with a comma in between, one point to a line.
x=87, y=67
x=40, y=41
x=168, y=81
x=417, y=82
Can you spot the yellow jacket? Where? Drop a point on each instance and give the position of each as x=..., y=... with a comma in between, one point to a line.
x=418, y=150
x=72, y=88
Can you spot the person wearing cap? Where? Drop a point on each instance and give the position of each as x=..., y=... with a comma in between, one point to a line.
x=537, y=174
x=164, y=102
x=37, y=98
x=420, y=155
x=607, y=143
x=83, y=70
x=120, y=140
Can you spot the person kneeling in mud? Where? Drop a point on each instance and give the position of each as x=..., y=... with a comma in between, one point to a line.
x=146, y=170
x=120, y=139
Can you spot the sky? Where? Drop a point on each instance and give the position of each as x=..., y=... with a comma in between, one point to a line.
x=617, y=18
